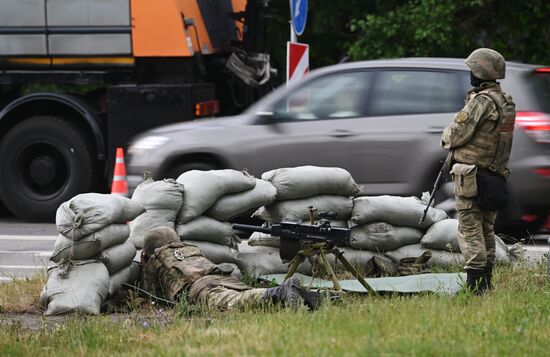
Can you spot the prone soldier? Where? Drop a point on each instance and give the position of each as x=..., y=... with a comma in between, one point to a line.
x=172, y=268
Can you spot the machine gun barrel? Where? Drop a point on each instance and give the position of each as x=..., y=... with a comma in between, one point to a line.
x=248, y=228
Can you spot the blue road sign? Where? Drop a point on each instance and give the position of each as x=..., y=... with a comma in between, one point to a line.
x=298, y=12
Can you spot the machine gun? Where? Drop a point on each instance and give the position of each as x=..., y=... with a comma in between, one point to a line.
x=441, y=176
x=300, y=241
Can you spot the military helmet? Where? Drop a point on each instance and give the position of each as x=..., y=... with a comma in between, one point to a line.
x=486, y=64
x=158, y=237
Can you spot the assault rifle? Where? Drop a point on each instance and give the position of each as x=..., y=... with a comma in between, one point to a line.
x=442, y=175
x=299, y=241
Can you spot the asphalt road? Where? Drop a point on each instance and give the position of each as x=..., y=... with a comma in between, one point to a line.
x=26, y=247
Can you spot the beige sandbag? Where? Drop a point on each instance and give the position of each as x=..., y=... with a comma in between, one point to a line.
x=395, y=210
x=203, y=188
x=233, y=205
x=117, y=257
x=91, y=245
x=264, y=239
x=439, y=258
x=207, y=229
x=297, y=210
x=87, y=213
x=128, y=275
x=82, y=286
x=380, y=236
x=162, y=201
x=306, y=181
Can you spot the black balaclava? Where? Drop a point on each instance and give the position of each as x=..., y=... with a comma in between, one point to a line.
x=474, y=81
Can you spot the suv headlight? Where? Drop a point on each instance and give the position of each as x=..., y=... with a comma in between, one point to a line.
x=147, y=143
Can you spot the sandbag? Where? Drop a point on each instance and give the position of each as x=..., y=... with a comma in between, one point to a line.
x=439, y=258
x=235, y=204
x=87, y=213
x=232, y=268
x=128, y=275
x=360, y=259
x=203, y=188
x=297, y=210
x=264, y=239
x=117, y=257
x=399, y=211
x=207, y=229
x=79, y=287
x=162, y=201
x=259, y=260
x=216, y=253
x=442, y=235
x=380, y=237
x=87, y=247
x=505, y=255
x=306, y=181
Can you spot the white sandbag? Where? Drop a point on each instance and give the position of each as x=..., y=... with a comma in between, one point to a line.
x=117, y=257
x=507, y=255
x=439, y=258
x=306, y=181
x=203, y=188
x=92, y=245
x=81, y=287
x=259, y=260
x=442, y=235
x=399, y=211
x=216, y=253
x=233, y=205
x=162, y=200
x=87, y=213
x=264, y=239
x=380, y=237
x=207, y=229
x=128, y=275
x=297, y=210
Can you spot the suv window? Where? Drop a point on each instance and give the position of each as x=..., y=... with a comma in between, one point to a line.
x=541, y=83
x=337, y=95
x=400, y=92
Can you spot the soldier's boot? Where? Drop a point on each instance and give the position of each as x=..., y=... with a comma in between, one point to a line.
x=475, y=281
x=291, y=294
x=488, y=277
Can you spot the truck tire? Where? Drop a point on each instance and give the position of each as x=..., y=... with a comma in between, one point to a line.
x=45, y=161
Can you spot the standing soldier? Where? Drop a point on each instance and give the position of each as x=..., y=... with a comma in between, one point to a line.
x=172, y=268
x=480, y=141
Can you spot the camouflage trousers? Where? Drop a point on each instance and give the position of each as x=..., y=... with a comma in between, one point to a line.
x=476, y=233
x=225, y=292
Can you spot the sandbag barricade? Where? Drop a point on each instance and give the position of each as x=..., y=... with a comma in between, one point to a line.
x=93, y=259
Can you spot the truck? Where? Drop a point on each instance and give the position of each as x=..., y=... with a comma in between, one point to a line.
x=79, y=78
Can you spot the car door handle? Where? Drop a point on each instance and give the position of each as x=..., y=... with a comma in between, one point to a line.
x=436, y=129
x=341, y=134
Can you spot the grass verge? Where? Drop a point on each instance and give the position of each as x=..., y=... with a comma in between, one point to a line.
x=514, y=319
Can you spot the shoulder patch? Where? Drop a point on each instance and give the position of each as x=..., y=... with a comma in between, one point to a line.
x=462, y=117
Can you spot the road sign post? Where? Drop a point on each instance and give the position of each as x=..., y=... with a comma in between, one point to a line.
x=297, y=58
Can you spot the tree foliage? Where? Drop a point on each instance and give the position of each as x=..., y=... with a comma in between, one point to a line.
x=373, y=29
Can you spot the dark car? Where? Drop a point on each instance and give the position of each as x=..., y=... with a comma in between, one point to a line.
x=381, y=120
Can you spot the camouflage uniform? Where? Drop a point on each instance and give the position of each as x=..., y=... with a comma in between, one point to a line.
x=178, y=268
x=480, y=138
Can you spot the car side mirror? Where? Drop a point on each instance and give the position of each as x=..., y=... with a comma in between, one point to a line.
x=266, y=118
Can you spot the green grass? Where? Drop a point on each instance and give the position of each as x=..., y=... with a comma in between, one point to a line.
x=513, y=320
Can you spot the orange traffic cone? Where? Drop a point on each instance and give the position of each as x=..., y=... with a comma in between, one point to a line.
x=120, y=185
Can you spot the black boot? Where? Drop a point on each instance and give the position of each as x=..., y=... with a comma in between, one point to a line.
x=475, y=281
x=290, y=293
x=488, y=276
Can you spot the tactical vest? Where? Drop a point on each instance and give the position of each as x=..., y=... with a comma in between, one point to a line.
x=174, y=268
x=491, y=143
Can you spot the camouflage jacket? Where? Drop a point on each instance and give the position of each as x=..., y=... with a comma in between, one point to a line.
x=482, y=132
x=174, y=268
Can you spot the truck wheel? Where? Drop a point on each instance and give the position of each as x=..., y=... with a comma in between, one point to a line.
x=45, y=161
